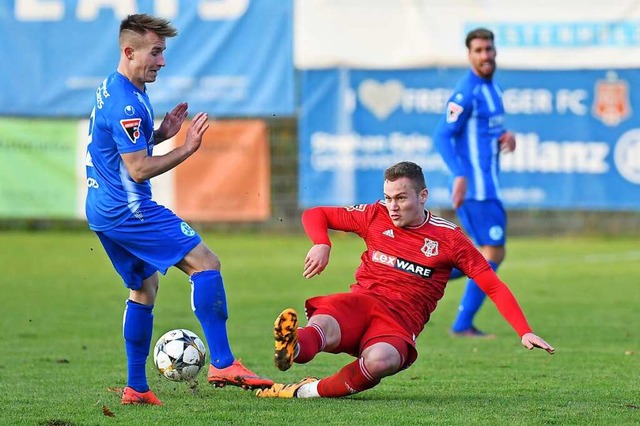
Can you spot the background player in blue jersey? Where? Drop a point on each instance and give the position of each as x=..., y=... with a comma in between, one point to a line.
x=140, y=236
x=469, y=138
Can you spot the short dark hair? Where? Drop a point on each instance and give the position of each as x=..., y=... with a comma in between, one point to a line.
x=481, y=33
x=409, y=170
x=141, y=23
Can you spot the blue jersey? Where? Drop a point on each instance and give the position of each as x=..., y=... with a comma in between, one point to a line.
x=121, y=122
x=467, y=135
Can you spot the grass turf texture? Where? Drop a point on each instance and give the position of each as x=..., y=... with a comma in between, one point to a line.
x=62, y=348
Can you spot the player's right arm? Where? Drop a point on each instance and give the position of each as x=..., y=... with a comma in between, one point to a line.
x=143, y=167
x=317, y=221
x=316, y=225
x=316, y=260
x=458, y=111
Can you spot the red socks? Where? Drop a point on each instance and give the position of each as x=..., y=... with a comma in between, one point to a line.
x=353, y=378
x=311, y=340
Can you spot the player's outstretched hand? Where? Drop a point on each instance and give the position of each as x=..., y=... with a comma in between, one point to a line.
x=316, y=260
x=531, y=341
x=196, y=131
x=172, y=121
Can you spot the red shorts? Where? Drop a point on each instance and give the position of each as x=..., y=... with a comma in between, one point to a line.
x=363, y=320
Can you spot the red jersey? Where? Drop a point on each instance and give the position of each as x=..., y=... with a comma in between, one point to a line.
x=408, y=268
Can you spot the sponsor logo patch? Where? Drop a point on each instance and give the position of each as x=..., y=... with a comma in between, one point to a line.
x=453, y=112
x=402, y=264
x=132, y=127
x=389, y=233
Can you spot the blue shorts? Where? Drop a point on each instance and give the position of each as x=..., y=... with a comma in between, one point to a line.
x=154, y=239
x=484, y=221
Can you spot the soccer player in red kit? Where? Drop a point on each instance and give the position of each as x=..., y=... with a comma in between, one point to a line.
x=402, y=276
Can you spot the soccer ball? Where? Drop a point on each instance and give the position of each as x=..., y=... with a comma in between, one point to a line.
x=179, y=355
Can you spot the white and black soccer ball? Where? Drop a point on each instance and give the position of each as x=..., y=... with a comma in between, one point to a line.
x=179, y=355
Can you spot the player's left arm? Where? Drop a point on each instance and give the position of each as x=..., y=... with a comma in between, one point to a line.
x=446, y=136
x=172, y=123
x=508, y=306
x=142, y=167
x=507, y=140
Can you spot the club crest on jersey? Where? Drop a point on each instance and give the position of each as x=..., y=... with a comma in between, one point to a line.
x=187, y=230
x=430, y=248
x=402, y=264
x=453, y=112
x=132, y=127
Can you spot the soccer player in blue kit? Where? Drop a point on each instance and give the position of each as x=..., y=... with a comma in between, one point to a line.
x=470, y=137
x=140, y=236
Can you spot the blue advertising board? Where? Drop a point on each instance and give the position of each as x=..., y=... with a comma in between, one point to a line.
x=231, y=57
x=578, y=138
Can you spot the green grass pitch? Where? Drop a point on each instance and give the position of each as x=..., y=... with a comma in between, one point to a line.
x=61, y=308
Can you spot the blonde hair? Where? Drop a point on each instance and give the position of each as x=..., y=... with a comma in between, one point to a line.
x=140, y=24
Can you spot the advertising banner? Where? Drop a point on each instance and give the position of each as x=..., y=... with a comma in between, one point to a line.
x=37, y=169
x=578, y=141
x=392, y=34
x=229, y=178
x=231, y=57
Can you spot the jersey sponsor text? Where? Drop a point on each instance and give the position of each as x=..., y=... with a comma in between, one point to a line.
x=402, y=264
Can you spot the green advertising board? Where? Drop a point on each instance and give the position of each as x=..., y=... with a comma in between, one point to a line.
x=38, y=168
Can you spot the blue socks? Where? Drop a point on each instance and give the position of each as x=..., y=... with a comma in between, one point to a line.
x=137, y=328
x=209, y=303
x=470, y=304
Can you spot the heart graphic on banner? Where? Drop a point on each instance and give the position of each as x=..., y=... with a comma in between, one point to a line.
x=381, y=98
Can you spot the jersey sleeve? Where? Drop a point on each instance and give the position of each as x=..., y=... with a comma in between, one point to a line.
x=126, y=125
x=466, y=256
x=504, y=300
x=318, y=220
x=458, y=110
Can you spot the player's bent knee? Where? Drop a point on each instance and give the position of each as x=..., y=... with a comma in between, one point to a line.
x=199, y=259
x=385, y=356
x=205, y=259
x=147, y=292
x=211, y=263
